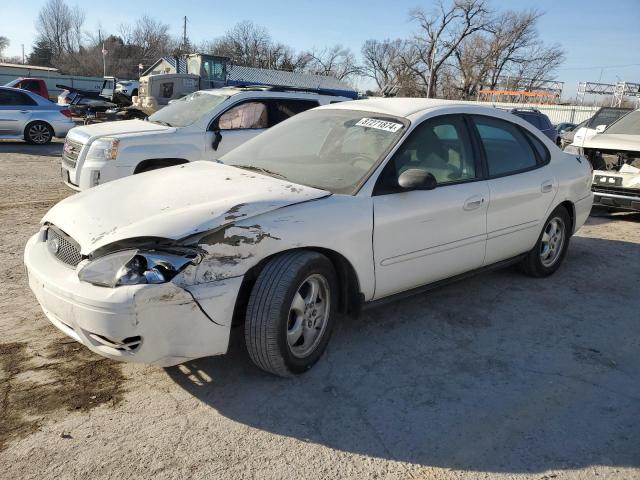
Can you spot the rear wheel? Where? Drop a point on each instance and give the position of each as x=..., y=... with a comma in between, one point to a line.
x=550, y=249
x=290, y=313
x=38, y=133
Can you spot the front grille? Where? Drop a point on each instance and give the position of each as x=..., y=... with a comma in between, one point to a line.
x=628, y=192
x=70, y=153
x=63, y=247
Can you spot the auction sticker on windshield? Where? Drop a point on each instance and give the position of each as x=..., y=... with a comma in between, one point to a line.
x=379, y=124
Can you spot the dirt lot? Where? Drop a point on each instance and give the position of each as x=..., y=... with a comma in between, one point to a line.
x=497, y=376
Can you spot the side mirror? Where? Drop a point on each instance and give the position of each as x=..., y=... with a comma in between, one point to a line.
x=217, y=137
x=417, y=179
x=600, y=128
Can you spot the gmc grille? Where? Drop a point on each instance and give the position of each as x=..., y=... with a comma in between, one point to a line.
x=70, y=153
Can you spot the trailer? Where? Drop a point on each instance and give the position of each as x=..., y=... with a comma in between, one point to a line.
x=51, y=76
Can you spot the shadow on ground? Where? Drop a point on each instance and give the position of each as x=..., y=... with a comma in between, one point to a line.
x=53, y=149
x=499, y=373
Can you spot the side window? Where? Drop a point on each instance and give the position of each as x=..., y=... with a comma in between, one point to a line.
x=506, y=147
x=544, y=122
x=440, y=146
x=31, y=85
x=245, y=115
x=8, y=97
x=532, y=119
x=281, y=109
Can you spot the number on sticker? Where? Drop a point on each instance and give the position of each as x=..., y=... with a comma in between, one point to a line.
x=379, y=124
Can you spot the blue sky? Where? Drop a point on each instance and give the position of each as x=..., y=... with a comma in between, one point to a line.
x=595, y=34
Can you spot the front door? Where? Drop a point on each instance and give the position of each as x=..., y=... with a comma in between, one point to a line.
x=245, y=120
x=235, y=126
x=15, y=112
x=424, y=236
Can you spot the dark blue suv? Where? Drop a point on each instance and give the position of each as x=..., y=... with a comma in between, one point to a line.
x=539, y=120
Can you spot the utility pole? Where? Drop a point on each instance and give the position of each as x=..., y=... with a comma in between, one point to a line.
x=184, y=35
x=104, y=61
x=23, y=53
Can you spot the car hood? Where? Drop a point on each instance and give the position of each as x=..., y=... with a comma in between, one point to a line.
x=613, y=141
x=111, y=129
x=172, y=203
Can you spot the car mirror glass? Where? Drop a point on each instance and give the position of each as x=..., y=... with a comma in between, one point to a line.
x=600, y=128
x=417, y=179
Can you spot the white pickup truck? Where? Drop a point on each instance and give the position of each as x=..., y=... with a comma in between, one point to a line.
x=201, y=126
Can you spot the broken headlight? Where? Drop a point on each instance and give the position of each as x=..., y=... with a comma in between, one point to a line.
x=134, y=267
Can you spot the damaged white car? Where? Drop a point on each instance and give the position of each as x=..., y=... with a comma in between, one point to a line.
x=614, y=153
x=338, y=207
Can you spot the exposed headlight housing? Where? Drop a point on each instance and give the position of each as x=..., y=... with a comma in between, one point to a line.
x=573, y=149
x=135, y=267
x=104, y=149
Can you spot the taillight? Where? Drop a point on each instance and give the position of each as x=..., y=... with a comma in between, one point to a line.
x=66, y=112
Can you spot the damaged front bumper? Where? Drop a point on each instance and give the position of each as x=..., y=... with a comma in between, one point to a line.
x=161, y=324
x=616, y=190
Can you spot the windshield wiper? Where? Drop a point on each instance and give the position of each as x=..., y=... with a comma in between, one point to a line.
x=261, y=170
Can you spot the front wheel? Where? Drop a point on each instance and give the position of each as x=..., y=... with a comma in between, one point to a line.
x=550, y=249
x=290, y=313
x=38, y=133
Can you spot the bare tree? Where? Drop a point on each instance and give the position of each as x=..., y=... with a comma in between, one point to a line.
x=61, y=27
x=381, y=61
x=4, y=44
x=440, y=33
x=245, y=43
x=150, y=38
x=336, y=61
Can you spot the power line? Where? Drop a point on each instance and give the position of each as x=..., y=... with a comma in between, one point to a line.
x=599, y=67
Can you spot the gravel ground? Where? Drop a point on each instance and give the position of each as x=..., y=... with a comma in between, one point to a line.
x=499, y=376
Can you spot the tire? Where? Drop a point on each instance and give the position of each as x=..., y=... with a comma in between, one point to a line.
x=285, y=331
x=38, y=133
x=550, y=249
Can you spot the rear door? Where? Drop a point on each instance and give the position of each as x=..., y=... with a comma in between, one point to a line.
x=245, y=120
x=521, y=186
x=15, y=112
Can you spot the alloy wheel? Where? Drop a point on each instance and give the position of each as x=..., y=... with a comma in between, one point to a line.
x=308, y=315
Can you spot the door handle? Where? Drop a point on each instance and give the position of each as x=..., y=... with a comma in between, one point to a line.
x=24, y=111
x=547, y=186
x=473, y=202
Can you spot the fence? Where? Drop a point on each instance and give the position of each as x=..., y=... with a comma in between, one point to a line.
x=556, y=113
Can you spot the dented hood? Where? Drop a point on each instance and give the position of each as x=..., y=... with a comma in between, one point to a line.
x=614, y=141
x=172, y=203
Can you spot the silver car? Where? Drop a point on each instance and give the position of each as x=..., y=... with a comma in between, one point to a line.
x=25, y=115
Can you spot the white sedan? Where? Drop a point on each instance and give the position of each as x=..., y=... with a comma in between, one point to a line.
x=343, y=205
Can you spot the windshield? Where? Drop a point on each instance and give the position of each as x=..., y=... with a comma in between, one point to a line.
x=187, y=110
x=329, y=149
x=627, y=125
x=606, y=116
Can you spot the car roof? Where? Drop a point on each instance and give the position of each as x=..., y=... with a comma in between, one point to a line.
x=403, y=107
x=266, y=92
